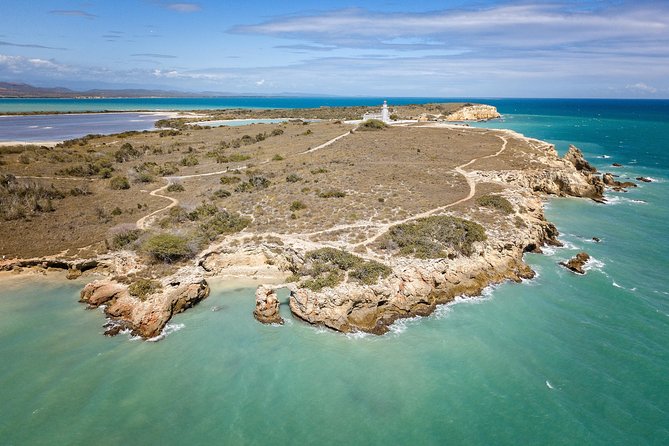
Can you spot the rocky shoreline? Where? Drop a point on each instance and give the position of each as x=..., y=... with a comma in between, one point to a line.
x=414, y=287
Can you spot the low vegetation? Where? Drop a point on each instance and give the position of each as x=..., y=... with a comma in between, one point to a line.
x=434, y=237
x=175, y=187
x=372, y=124
x=21, y=200
x=143, y=288
x=328, y=267
x=168, y=248
x=496, y=202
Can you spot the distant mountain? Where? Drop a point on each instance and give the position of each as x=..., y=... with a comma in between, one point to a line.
x=20, y=90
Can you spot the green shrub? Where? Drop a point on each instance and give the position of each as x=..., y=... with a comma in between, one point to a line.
x=256, y=182
x=431, y=237
x=144, y=177
x=308, y=132
x=332, y=194
x=372, y=124
x=278, y=157
x=169, y=168
x=24, y=158
x=167, y=248
x=329, y=280
x=326, y=268
x=117, y=211
x=496, y=202
x=20, y=200
x=238, y=157
x=369, y=272
x=222, y=193
x=223, y=223
x=124, y=238
x=277, y=132
x=230, y=180
x=202, y=211
x=297, y=205
x=143, y=288
x=189, y=160
x=293, y=178
x=319, y=170
x=126, y=153
x=175, y=187
x=119, y=183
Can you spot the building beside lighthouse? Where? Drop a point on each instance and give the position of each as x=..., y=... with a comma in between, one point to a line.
x=383, y=116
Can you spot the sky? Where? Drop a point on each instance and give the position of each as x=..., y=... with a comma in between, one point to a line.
x=486, y=48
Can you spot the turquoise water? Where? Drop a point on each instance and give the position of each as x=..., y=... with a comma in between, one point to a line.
x=561, y=359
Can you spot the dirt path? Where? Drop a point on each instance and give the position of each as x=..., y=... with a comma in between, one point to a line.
x=332, y=141
x=142, y=222
x=381, y=228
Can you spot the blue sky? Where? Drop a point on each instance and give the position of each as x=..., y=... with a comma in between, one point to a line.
x=557, y=48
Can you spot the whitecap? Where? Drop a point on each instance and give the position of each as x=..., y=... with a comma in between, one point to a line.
x=357, y=335
x=47, y=128
x=616, y=285
x=169, y=328
x=604, y=156
x=401, y=325
x=593, y=263
x=33, y=126
x=616, y=199
x=549, y=385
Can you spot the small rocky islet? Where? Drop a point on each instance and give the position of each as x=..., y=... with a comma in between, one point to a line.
x=364, y=273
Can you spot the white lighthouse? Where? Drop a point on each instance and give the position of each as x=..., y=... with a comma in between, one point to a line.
x=385, y=115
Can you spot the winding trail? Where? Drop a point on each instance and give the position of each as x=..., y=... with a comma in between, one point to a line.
x=380, y=228
x=142, y=222
x=332, y=141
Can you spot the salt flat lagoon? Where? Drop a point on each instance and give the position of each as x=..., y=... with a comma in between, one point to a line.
x=560, y=359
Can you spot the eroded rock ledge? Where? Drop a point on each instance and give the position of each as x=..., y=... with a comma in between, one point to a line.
x=145, y=316
x=416, y=287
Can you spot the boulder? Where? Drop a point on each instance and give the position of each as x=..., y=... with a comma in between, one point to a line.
x=267, y=306
x=644, y=179
x=575, y=156
x=576, y=263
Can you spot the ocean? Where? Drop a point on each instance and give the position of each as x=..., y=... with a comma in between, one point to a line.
x=557, y=360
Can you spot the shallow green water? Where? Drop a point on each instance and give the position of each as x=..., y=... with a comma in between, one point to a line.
x=561, y=359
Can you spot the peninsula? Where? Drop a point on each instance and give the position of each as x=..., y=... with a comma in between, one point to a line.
x=364, y=222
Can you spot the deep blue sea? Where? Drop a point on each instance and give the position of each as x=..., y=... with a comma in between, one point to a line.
x=558, y=360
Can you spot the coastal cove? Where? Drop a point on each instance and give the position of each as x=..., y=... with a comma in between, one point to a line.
x=553, y=350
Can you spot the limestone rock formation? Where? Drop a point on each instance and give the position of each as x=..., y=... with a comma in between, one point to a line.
x=476, y=112
x=576, y=263
x=616, y=185
x=575, y=156
x=267, y=306
x=148, y=316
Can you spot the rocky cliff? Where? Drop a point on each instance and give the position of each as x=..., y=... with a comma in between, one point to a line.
x=145, y=315
x=477, y=112
x=417, y=286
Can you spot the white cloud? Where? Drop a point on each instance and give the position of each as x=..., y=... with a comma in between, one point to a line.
x=505, y=26
x=260, y=82
x=184, y=7
x=642, y=88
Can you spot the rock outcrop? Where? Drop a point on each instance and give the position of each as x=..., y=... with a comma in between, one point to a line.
x=575, y=156
x=475, y=112
x=145, y=317
x=416, y=287
x=267, y=306
x=616, y=185
x=576, y=263
x=644, y=179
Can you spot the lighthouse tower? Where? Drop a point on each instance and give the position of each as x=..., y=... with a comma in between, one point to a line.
x=385, y=115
